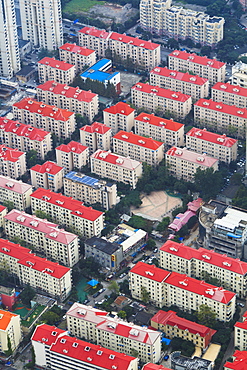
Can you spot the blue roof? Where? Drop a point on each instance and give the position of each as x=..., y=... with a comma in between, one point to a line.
x=95, y=72
x=83, y=179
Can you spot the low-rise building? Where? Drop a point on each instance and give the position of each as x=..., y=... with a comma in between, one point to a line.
x=12, y=162
x=10, y=330
x=161, y=129
x=72, y=155
x=16, y=192
x=79, y=56
x=119, y=117
x=180, y=362
x=239, y=74
x=239, y=361
x=115, y=167
x=47, y=175
x=25, y=137
x=155, y=97
x=59, y=71
x=229, y=94
x=218, y=146
x=96, y=136
x=183, y=163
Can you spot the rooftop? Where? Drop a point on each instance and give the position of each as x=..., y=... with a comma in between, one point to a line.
x=138, y=140
x=20, y=129
x=100, y=71
x=73, y=147
x=47, y=167
x=151, y=119
x=203, y=134
x=42, y=265
x=102, y=245
x=181, y=76
x=232, y=219
x=150, y=271
x=222, y=108
x=118, y=160
x=194, y=58
x=159, y=91
x=86, y=180
x=73, y=48
x=190, y=156
x=5, y=319
x=96, y=127
x=120, y=108
x=151, y=366
x=239, y=363
x=47, y=334
x=232, y=89
x=54, y=63
x=14, y=185
x=9, y=154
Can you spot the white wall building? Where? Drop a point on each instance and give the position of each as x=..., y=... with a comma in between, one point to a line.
x=16, y=192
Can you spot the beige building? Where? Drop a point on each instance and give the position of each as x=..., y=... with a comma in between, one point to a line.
x=68, y=97
x=212, y=69
x=119, y=335
x=55, y=243
x=230, y=94
x=12, y=162
x=72, y=155
x=154, y=97
x=218, y=146
x=85, y=221
x=115, y=167
x=239, y=74
x=137, y=147
x=168, y=288
x=79, y=56
x=220, y=117
x=240, y=334
x=10, y=330
x=60, y=122
x=90, y=190
x=16, y=192
x=119, y=117
x=25, y=137
x=161, y=129
x=3, y=212
x=47, y=175
x=59, y=71
x=96, y=136
x=183, y=163
x=197, y=87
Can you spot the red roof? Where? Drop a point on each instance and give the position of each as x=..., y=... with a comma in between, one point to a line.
x=2, y=208
x=54, y=63
x=138, y=140
x=73, y=146
x=16, y=186
x=222, y=108
x=43, y=109
x=67, y=91
x=151, y=119
x=190, y=156
x=98, y=127
x=133, y=41
x=181, y=76
x=6, y=318
x=73, y=48
x=13, y=250
x=241, y=325
x=47, y=167
x=75, y=206
x=150, y=271
x=20, y=129
x=92, y=31
x=118, y=160
x=159, y=91
x=120, y=108
x=203, y=134
x=9, y=154
x=194, y=58
x=232, y=89
x=239, y=363
x=151, y=366
x=47, y=334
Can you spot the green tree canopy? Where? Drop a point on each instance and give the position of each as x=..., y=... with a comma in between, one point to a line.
x=208, y=182
x=145, y=295
x=206, y=316
x=27, y=295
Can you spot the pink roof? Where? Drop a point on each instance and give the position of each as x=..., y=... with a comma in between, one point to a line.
x=159, y=91
x=190, y=156
x=180, y=220
x=75, y=206
x=120, y=108
x=16, y=186
x=92, y=31
x=194, y=58
x=9, y=154
x=203, y=134
x=239, y=363
x=138, y=140
x=73, y=146
x=47, y=334
x=232, y=89
x=115, y=159
x=133, y=41
x=43, y=109
x=222, y=108
x=151, y=366
x=151, y=119
x=181, y=76
x=54, y=63
x=73, y=48
x=150, y=271
x=47, y=167
x=67, y=91
x=98, y=127
x=20, y=129
x=43, y=265
x=195, y=204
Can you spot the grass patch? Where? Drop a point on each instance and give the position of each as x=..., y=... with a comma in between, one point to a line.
x=76, y=6
x=33, y=316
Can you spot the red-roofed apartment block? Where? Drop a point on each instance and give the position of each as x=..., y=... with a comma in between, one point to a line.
x=16, y=192
x=137, y=147
x=79, y=56
x=195, y=86
x=60, y=122
x=10, y=326
x=239, y=361
x=68, y=97
x=70, y=212
x=72, y=155
x=119, y=117
x=25, y=137
x=229, y=94
x=47, y=175
x=12, y=162
x=153, y=97
x=218, y=146
x=161, y=129
x=240, y=331
x=211, y=69
x=59, y=71
x=96, y=136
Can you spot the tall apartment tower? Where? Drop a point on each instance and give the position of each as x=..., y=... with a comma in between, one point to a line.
x=152, y=13
x=41, y=22
x=9, y=48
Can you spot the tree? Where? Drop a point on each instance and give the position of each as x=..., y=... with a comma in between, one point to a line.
x=122, y=314
x=27, y=295
x=32, y=158
x=9, y=350
x=50, y=317
x=10, y=205
x=43, y=215
x=206, y=316
x=114, y=287
x=145, y=295
x=151, y=244
x=134, y=352
x=210, y=279
x=204, y=180
x=163, y=224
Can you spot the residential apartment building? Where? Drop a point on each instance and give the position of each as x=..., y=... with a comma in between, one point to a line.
x=239, y=361
x=231, y=272
x=68, y=97
x=119, y=117
x=197, y=87
x=41, y=22
x=183, y=163
x=118, y=335
x=16, y=192
x=12, y=162
x=90, y=190
x=79, y=56
x=54, y=349
x=177, y=327
x=25, y=137
x=10, y=330
x=240, y=331
x=137, y=147
x=239, y=74
x=59, y=71
x=168, y=288
x=96, y=136
x=3, y=212
x=47, y=175
x=60, y=122
x=218, y=146
x=69, y=212
x=56, y=244
x=144, y=53
x=161, y=129
x=230, y=94
x=220, y=117
x=211, y=69
x=155, y=97
x=72, y=155
x=115, y=167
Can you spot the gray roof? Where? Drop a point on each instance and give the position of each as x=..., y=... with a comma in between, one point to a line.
x=102, y=245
